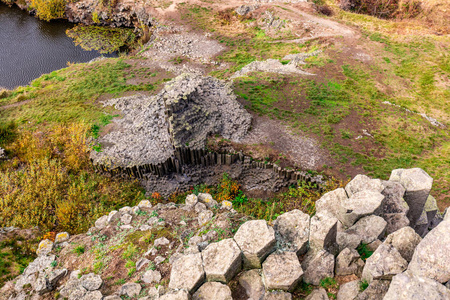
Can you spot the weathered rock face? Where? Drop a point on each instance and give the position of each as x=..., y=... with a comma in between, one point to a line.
x=330, y=203
x=222, y=260
x=319, y=294
x=213, y=290
x=405, y=240
x=376, y=290
x=252, y=283
x=183, y=114
x=431, y=257
x=187, y=272
x=323, y=231
x=292, y=231
x=369, y=228
x=359, y=205
x=407, y=286
x=348, y=262
x=349, y=290
x=318, y=268
x=363, y=183
x=282, y=271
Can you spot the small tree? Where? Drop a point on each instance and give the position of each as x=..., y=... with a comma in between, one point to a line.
x=49, y=9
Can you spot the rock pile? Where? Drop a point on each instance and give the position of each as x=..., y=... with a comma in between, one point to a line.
x=258, y=261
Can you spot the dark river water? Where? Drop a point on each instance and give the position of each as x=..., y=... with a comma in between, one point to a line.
x=30, y=47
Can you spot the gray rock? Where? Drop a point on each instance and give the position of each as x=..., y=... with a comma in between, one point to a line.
x=130, y=290
x=319, y=294
x=222, y=260
x=384, y=263
x=141, y=263
x=431, y=257
x=159, y=259
x=282, y=271
x=56, y=275
x=213, y=290
x=42, y=286
x=323, y=230
x=405, y=240
x=421, y=226
x=204, y=217
x=349, y=290
x=406, y=286
x=349, y=262
x=252, y=283
x=395, y=221
x=375, y=291
x=44, y=247
x=77, y=293
x=162, y=241
x=418, y=185
x=330, y=203
x=431, y=208
x=359, y=205
x=94, y=295
x=208, y=200
x=151, y=276
x=277, y=295
x=369, y=228
x=374, y=245
x=199, y=207
x=245, y=9
x=126, y=219
x=113, y=216
x=145, y=205
x=112, y=297
x=187, y=273
x=191, y=200
x=175, y=295
x=256, y=240
x=347, y=240
x=363, y=183
x=292, y=231
x=228, y=205
x=62, y=237
x=319, y=267
x=101, y=222
x=91, y=282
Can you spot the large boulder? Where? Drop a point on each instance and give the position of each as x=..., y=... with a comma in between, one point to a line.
x=369, y=228
x=319, y=294
x=349, y=290
x=252, y=283
x=375, y=291
x=349, y=262
x=431, y=257
x=222, y=260
x=405, y=240
x=363, y=183
x=406, y=286
x=256, y=240
x=318, y=267
x=130, y=290
x=187, y=272
x=359, y=205
x=384, y=263
x=323, y=230
x=44, y=247
x=330, y=202
x=213, y=290
x=417, y=184
x=292, y=231
x=282, y=271
x=277, y=295
x=175, y=295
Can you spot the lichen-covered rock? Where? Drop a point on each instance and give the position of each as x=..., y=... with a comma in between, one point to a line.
x=222, y=260
x=204, y=217
x=226, y=205
x=126, y=219
x=318, y=294
x=175, y=295
x=347, y=240
x=320, y=266
x=62, y=237
x=330, y=202
x=151, y=276
x=44, y=248
x=277, y=295
x=349, y=290
x=431, y=257
x=376, y=290
x=359, y=205
x=91, y=282
x=256, y=240
x=130, y=289
x=369, y=228
x=417, y=184
x=145, y=205
x=213, y=290
x=191, y=200
x=252, y=283
x=349, y=262
x=282, y=271
x=323, y=230
x=187, y=272
x=101, y=222
x=384, y=263
x=207, y=199
x=93, y=295
x=406, y=286
x=363, y=183
x=292, y=231
x=405, y=240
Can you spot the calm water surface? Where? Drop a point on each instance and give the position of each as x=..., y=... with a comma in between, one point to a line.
x=30, y=47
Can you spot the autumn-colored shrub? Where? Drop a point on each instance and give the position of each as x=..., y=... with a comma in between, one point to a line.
x=49, y=9
x=227, y=189
x=384, y=8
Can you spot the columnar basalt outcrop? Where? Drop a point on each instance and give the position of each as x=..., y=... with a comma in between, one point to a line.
x=209, y=259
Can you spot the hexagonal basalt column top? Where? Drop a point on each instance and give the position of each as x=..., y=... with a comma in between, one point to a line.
x=256, y=240
x=282, y=271
x=187, y=273
x=359, y=205
x=222, y=260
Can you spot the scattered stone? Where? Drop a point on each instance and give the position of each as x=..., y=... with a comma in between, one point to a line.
x=94, y=295
x=369, y=228
x=384, y=263
x=2, y=151
x=360, y=205
x=91, y=282
x=159, y=259
x=126, y=219
x=363, y=183
x=101, y=222
x=245, y=9
x=418, y=185
x=187, y=272
x=213, y=290
x=125, y=210
x=330, y=202
x=56, y=275
x=405, y=240
x=407, y=286
x=199, y=207
x=145, y=204
x=282, y=271
x=175, y=295
x=222, y=260
x=141, y=263
x=252, y=283
x=318, y=268
x=256, y=240
x=431, y=257
x=292, y=231
x=151, y=276
x=395, y=221
x=207, y=199
x=376, y=290
x=162, y=241
x=204, y=217
x=191, y=200
x=277, y=295
x=349, y=262
x=347, y=240
x=113, y=216
x=145, y=227
x=323, y=230
x=42, y=286
x=62, y=237
x=349, y=290
x=319, y=294
x=226, y=205
x=44, y=248
x=130, y=289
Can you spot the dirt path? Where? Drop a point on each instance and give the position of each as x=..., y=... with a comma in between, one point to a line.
x=14, y=104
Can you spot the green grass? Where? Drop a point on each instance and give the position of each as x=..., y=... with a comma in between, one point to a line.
x=79, y=250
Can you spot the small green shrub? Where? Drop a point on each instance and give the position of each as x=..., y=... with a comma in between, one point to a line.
x=49, y=9
x=79, y=250
x=364, y=251
x=363, y=285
